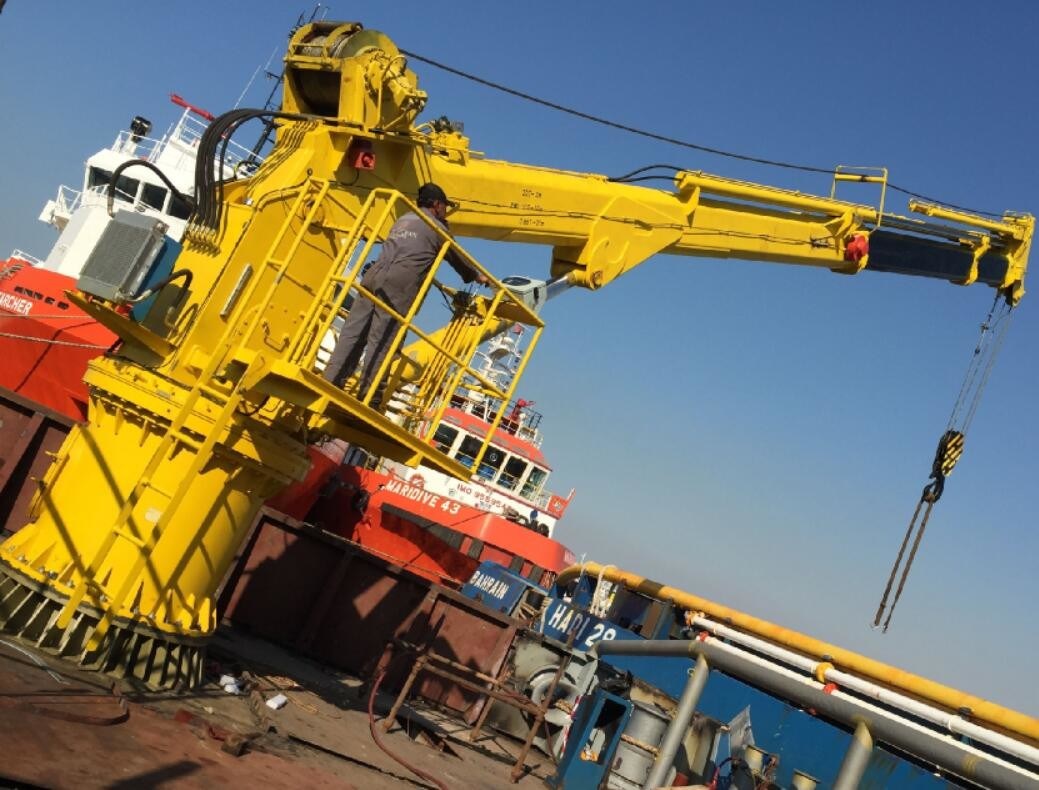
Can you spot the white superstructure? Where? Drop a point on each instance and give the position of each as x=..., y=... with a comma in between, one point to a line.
x=511, y=479
x=81, y=215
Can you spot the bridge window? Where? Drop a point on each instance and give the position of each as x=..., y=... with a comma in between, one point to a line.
x=126, y=188
x=510, y=476
x=98, y=177
x=467, y=450
x=179, y=209
x=491, y=462
x=153, y=196
x=444, y=438
x=534, y=483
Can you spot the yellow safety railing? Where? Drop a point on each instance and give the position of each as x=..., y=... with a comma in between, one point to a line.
x=440, y=359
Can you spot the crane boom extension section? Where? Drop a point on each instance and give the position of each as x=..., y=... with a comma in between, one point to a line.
x=600, y=229
x=208, y=406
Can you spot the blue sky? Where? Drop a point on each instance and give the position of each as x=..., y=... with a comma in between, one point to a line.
x=757, y=434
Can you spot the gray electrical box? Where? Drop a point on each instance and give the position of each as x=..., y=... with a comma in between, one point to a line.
x=120, y=263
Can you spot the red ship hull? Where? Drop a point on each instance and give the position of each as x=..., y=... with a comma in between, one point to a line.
x=45, y=341
x=431, y=535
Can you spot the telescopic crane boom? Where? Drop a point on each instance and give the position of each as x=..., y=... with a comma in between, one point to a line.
x=207, y=408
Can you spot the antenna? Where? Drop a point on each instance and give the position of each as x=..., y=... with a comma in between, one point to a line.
x=317, y=14
x=252, y=79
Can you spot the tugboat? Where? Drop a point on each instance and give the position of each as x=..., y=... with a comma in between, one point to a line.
x=442, y=528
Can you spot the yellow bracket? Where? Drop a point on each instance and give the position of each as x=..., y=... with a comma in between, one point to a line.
x=128, y=329
x=442, y=358
x=862, y=175
x=1015, y=230
x=821, y=669
x=979, y=253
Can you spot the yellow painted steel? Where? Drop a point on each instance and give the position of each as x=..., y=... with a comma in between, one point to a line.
x=913, y=685
x=195, y=421
x=176, y=459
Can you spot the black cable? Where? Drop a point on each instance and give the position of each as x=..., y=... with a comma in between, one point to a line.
x=111, y=188
x=917, y=195
x=664, y=138
x=208, y=212
x=642, y=178
x=614, y=124
x=186, y=274
x=627, y=176
x=209, y=166
x=207, y=182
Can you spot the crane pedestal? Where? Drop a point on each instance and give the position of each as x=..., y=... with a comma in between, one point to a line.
x=30, y=610
x=136, y=523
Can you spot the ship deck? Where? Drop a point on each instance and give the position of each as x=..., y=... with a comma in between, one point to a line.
x=63, y=727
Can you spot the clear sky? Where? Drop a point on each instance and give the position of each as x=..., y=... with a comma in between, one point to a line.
x=757, y=434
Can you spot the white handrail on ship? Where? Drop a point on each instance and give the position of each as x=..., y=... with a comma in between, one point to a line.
x=69, y=199
x=951, y=722
x=24, y=256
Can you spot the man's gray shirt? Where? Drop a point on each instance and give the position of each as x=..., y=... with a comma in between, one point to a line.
x=406, y=257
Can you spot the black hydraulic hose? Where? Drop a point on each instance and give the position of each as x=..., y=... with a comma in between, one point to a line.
x=177, y=194
x=641, y=170
x=209, y=164
x=187, y=276
x=205, y=178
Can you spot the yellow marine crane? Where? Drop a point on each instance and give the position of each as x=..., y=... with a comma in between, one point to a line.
x=209, y=404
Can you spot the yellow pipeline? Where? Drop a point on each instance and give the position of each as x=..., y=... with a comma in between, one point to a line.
x=1007, y=720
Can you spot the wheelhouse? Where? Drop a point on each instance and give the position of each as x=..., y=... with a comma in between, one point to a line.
x=512, y=463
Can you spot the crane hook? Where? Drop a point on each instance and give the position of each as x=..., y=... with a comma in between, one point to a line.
x=950, y=448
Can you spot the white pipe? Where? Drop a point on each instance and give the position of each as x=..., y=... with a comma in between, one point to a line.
x=760, y=645
x=950, y=721
x=867, y=707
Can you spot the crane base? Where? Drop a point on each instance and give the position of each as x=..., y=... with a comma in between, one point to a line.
x=130, y=650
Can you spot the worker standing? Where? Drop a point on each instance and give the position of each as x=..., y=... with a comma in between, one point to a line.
x=396, y=277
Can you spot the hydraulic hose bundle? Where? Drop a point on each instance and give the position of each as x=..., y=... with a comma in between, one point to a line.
x=210, y=166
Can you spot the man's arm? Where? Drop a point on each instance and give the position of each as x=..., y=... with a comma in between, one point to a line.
x=465, y=271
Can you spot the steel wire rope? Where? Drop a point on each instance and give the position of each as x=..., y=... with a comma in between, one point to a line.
x=51, y=342
x=950, y=447
x=983, y=358
x=50, y=317
x=706, y=149
x=997, y=343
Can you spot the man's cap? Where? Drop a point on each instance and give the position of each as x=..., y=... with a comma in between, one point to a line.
x=431, y=193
